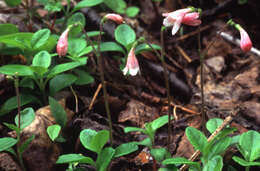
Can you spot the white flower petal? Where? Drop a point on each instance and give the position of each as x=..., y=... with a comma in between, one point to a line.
x=166, y=23
x=133, y=71
x=125, y=70
x=176, y=26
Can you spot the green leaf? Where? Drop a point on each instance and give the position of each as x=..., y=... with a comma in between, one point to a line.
x=16, y=69
x=27, y=117
x=104, y=158
x=40, y=38
x=50, y=5
x=76, y=46
x=214, y=164
x=93, y=140
x=20, y=40
x=86, y=3
x=83, y=77
x=58, y=112
x=250, y=146
x=6, y=29
x=180, y=160
x=74, y=158
x=66, y=66
x=146, y=142
x=61, y=81
x=6, y=143
x=13, y=127
x=42, y=59
x=159, y=122
x=245, y=163
x=40, y=71
x=77, y=18
x=133, y=129
x=117, y=6
x=94, y=33
x=132, y=11
x=11, y=103
x=145, y=47
x=125, y=35
x=111, y=46
x=218, y=148
x=196, y=138
x=27, y=83
x=160, y=154
x=86, y=51
x=25, y=145
x=242, y=2
x=53, y=131
x=213, y=124
x=125, y=149
x=13, y=3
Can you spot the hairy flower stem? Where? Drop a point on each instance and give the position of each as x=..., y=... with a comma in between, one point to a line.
x=16, y=85
x=165, y=73
x=99, y=59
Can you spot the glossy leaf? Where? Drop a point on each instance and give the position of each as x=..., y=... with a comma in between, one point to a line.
x=160, y=154
x=16, y=69
x=27, y=117
x=21, y=40
x=74, y=158
x=40, y=38
x=125, y=35
x=159, y=122
x=11, y=103
x=86, y=51
x=249, y=145
x=196, y=138
x=83, y=77
x=6, y=143
x=111, y=46
x=13, y=3
x=144, y=47
x=133, y=129
x=6, y=29
x=125, y=149
x=93, y=140
x=219, y=147
x=86, y=3
x=76, y=46
x=245, y=163
x=53, y=131
x=117, y=6
x=104, y=158
x=58, y=112
x=42, y=59
x=61, y=81
x=132, y=11
x=213, y=124
x=214, y=164
x=180, y=160
x=66, y=66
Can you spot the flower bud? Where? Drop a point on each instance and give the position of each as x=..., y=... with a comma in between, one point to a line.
x=245, y=42
x=62, y=45
x=115, y=17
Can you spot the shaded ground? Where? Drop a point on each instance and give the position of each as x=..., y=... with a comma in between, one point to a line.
x=231, y=84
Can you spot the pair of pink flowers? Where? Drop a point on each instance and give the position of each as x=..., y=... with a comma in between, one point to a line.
x=182, y=16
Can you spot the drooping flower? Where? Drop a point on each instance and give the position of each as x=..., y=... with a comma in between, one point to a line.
x=62, y=45
x=175, y=19
x=191, y=19
x=182, y=16
x=245, y=42
x=115, y=17
x=132, y=64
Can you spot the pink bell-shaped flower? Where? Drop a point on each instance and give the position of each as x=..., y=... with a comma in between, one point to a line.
x=245, y=42
x=62, y=45
x=132, y=64
x=115, y=17
x=175, y=19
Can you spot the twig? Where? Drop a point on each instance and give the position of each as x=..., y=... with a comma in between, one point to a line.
x=76, y=99
x=183, y=53
x=227, y=121
x=95, y=96
x=193, y=33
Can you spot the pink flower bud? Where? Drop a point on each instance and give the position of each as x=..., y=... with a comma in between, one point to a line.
x=245, y=42
x=62, y=45
x=132, y=64
x=191, y=19
x=115, y=17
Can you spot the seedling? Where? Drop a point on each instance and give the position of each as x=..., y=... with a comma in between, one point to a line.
x=211, y=151
x=95, y=142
